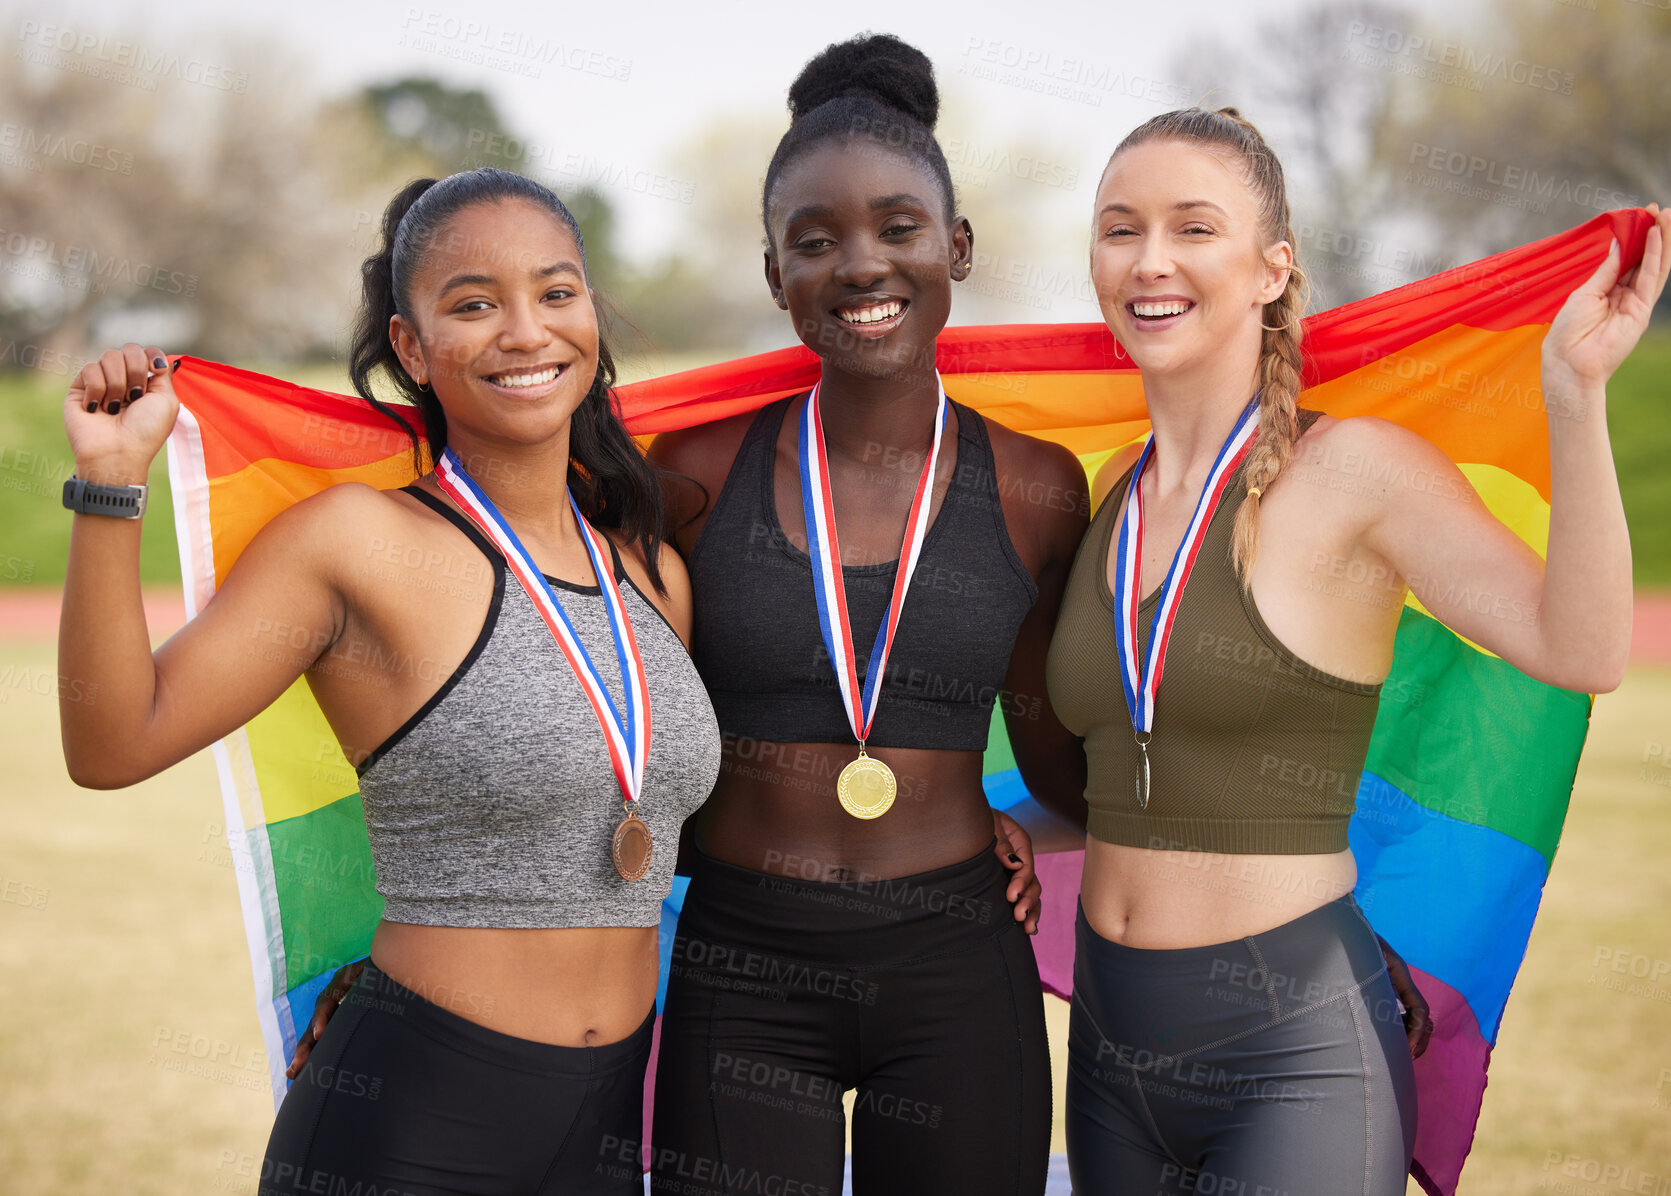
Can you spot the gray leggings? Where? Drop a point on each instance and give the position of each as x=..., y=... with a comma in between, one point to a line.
x=1274, y=1065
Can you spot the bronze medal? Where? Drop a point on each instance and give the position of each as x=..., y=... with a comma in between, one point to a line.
x=633, y=847
x=866, y=787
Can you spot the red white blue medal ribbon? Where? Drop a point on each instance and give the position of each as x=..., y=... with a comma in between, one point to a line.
x=1140, y=677
x=628, y=737
x=828, y=584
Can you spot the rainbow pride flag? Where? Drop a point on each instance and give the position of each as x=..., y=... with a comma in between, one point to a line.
x=1470, y=767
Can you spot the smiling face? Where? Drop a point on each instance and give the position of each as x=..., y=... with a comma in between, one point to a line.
x=1181, y=267
x=863, y=257
x=501, y=323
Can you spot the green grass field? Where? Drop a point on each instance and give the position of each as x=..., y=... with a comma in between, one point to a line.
x=35, y=460
x=132, y=1060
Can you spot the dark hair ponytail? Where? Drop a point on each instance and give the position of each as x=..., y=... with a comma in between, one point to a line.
x=872, y=86
x=371, y=350
x=613, y=483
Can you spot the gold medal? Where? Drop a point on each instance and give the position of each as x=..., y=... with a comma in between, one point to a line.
x=866, y=787
x=632, y=847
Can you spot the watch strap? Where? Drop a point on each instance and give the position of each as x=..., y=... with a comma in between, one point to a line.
x=96, y=498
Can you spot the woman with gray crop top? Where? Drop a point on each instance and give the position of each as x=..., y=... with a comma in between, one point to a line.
x=524, y=816
x=1233, y=1028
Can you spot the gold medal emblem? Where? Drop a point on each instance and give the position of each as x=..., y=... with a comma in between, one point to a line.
x=866, y=787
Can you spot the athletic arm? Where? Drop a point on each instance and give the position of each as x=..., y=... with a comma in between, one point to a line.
x=1050, y=758
x=273, y=616
x=1046, y=510
x=1564, y=619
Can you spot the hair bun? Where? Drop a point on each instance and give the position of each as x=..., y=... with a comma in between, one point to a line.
x=877, y=65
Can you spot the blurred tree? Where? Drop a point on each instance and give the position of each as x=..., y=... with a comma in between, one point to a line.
x=452, y=127
x=80, y=193
x=1561, y=115
x=226, y=222
x=217, y=220
x=1028, y=198
x=605, y=268
x=710, y=291
x=1322, y=95
x=1416, y=143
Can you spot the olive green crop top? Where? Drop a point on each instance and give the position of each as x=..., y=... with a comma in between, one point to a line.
x=1254, y=751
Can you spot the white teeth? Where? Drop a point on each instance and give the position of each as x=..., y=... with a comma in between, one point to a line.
x=1173, y=308
x=521, y=381
x=872, y=315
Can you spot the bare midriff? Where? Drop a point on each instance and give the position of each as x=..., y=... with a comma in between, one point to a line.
x=775, y=810
x=1158, y=900
x=575, y=987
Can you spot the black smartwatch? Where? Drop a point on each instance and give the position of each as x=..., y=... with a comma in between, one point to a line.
x=95, y=498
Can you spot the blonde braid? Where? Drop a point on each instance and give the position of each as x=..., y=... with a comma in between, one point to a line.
x=1280, y=382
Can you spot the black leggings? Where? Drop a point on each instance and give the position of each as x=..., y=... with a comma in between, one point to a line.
x=1273, y=1065
x=920, y=992
x=404, y=1098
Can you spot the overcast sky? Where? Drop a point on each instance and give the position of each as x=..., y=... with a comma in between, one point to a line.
x=609, y=93
x=620, y=84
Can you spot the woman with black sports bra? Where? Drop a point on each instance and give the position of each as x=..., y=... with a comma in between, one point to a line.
x=830, y=940
x=524, y=816
x=1233, y=1027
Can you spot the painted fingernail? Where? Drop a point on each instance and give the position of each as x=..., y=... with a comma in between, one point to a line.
x=159, y=363
x=1014, y=859
x=134, y=394
x=113, y=406
x=92, y=407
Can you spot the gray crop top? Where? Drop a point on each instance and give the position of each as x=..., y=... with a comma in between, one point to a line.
x=494, y=805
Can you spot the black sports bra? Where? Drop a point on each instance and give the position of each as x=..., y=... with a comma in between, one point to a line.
x=757, y=644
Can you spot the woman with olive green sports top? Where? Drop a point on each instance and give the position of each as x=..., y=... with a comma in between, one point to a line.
x=1260, y=752
x=1234, y=1028
x=1252, y=752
